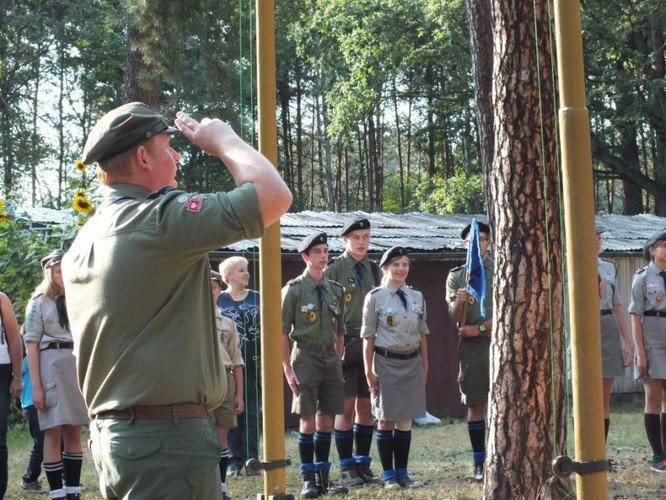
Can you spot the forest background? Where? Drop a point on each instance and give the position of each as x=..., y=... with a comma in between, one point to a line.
x=376, y=99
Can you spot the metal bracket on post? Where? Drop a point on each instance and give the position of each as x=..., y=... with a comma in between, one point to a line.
x=254, y=465
x=564, y=466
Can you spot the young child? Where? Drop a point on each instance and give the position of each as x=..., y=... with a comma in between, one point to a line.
x=232, y=405
x=648, y=321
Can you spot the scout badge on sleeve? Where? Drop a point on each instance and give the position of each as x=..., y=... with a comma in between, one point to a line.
x=476, y=273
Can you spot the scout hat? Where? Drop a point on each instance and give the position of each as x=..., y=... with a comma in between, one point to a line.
x=215, y=276
x=354, y=224
x=483, y=228
x=312, y=240
x=55, y=257
x=392, y=254
x=654, y=239
x=121, y=129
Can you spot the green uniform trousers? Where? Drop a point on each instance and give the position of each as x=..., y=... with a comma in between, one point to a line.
x=149, y=459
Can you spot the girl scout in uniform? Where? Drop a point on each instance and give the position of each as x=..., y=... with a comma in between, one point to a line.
x=56, y=395
x=648, y=322
x=396, y=364
x=615, y=343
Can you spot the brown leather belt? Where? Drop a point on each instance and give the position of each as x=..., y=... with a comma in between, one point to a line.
x=306, y=346
x=156, y=412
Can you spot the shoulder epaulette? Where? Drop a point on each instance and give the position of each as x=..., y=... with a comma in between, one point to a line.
x=226, y=313
x=160, y=192
x=335, y=283
x=376, y=289
x=294, y=281
x=641, y=270
x=458, y=267
x=415, y=289
x=35, y=295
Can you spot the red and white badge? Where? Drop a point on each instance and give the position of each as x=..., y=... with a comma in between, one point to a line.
x=194, y=205
x=660, y=298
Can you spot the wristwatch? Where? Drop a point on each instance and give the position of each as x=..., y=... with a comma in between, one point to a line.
x=482, y=328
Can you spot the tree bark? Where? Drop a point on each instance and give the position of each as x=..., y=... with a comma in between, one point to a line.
x=526, y=411
x=140, y=81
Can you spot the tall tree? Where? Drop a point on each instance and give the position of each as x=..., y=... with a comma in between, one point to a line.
x=526, y=417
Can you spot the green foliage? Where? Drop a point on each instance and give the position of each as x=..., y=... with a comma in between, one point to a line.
x=460, y=193
x=21, y=249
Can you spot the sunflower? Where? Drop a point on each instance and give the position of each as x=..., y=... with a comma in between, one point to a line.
x=82, y=205
x=81, y=193
x=2, y=205
x=4, y=216
x=80, y=166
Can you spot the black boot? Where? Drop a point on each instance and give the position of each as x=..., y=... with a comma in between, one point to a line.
x=328, y=487
x=310, y=488
x=351, y=477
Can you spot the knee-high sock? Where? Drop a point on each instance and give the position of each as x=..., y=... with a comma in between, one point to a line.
x=224, y=463
x=363, y=438
x=385, y=449
x=322, y=446
x=306, y=448
x=663, y=432
x=401, y=443
x=653, y=431
x=72, y=464
x=477, y=436
x=606, y=426
x=344, y=443
x=54, y=472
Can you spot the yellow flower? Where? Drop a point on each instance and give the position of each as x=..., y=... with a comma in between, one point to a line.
x=81, y=193
x=4, y=216
x=2, y=205
x=82, y=205
x=80, y=166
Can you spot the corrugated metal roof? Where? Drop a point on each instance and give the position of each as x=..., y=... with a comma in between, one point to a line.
x=420, y=232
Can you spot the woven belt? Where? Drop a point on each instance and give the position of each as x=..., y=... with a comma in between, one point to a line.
x=60, y=345
x=396, y=355
x=658, y=314
x=306, y=346
x=157, y=412
x=606, y=312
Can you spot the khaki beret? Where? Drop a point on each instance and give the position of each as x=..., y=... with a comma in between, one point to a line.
x=354, y=224
x=312, y=240
x=55, y=257
x=121, y=129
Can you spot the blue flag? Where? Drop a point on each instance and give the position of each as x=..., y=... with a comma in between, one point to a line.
x=476, y=273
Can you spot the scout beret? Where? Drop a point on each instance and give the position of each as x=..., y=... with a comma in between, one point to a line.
x=654, y=239
x=215, y=276
x=393, y=253
x=600, y=229
x=312, y=240
x=52, y=259
x=354, y=224
x=121, y=129
x=483, y=228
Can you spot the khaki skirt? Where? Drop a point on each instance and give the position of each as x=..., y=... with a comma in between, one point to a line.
x=612, y=364
x=654, y=340
x=401, y=394
x=64, y=402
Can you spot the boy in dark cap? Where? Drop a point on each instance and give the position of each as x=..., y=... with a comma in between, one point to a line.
x=648, y=322
x=474, y=332
x=358, y=274
x=139, y=299
x=313, y=312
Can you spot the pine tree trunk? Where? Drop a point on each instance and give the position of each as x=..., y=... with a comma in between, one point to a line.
x=526, y=407
x=140, y=82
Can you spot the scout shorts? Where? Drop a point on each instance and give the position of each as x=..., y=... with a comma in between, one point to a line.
x=474, y=374
x=225, y=414
x=321, y=388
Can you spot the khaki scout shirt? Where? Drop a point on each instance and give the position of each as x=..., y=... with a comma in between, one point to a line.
x=306, y=319
x=647, y=291
x=343, y=271
x=609, y=295
x=139, y=299
x=42, y=324
x=458, y=279
x=228, y=337
x=391, y=325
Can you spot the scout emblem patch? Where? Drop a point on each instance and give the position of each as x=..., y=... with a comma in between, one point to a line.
x=312, y=316
x=391, y=320
x=348, y=297
x=194, y=205
x=471, y=300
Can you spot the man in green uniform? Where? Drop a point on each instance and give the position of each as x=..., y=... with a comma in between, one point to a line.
x=474, y=333
x=358, y=274
x=140, y=304
x=313, y=312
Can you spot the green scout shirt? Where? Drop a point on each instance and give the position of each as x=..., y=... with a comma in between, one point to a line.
x=139, y=299
x=458, y=279
x=343, y=270
x=304, y=318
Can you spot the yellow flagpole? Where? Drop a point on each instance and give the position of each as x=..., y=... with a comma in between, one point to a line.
x=581, y=253
x=269, y=264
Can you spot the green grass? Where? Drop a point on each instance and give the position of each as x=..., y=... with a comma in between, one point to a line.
x=440, y=456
